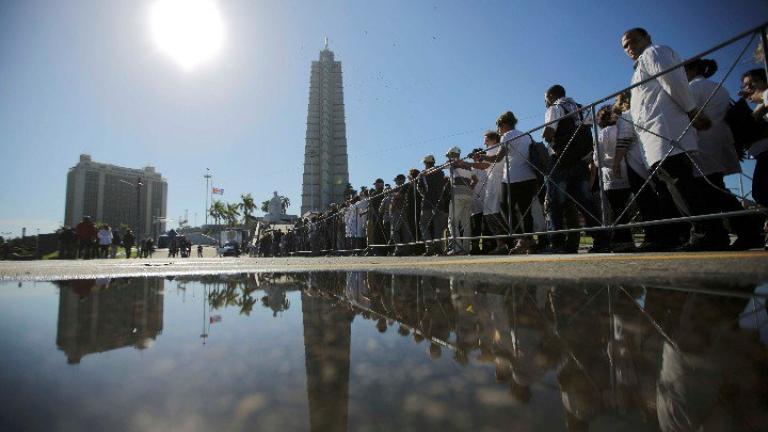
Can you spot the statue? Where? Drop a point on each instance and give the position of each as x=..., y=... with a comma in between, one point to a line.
x=275, y=205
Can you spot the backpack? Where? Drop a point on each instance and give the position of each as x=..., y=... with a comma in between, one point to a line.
x=580, y=146
x=745, y=128
x=538, y=156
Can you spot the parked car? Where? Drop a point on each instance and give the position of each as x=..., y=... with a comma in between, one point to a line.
x=230, y=249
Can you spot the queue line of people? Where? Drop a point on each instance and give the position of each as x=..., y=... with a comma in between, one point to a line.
x=662, y=149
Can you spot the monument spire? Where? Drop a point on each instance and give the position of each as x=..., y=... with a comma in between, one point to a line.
x=326, y=171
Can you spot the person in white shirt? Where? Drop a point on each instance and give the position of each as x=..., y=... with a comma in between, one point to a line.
x=662, y=110
x=492, y=198
x=615, y=181
x=717, y=155
x=105, y=240
x=479, y=227
x=460, y=209
x=569, y=140
x=518, y=180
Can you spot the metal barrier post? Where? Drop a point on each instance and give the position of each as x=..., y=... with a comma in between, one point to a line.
x=598, y=165
x=452, y=225
x=506, y=192
x=764, y=41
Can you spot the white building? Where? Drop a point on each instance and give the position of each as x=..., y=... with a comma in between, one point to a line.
x=116, y=195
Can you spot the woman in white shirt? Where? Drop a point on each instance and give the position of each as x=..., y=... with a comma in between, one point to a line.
x=717, y=155
x=105, y=240
x=518, y=180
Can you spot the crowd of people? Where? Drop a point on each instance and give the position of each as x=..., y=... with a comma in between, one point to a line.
x=88, y=241
x=659, y=152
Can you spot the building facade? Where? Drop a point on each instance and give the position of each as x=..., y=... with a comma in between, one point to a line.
x=117, y=195
x=326, y=170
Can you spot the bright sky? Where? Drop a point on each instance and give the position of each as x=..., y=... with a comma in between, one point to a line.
x=84, y=76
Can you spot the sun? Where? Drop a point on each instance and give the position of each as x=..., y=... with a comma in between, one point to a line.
x=191, y=32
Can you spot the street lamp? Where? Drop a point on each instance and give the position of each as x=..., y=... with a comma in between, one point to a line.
x=137, y=185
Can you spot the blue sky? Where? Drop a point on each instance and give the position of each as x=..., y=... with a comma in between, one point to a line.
x=83, y=76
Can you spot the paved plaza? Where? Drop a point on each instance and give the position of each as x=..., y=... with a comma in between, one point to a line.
x=725, y=267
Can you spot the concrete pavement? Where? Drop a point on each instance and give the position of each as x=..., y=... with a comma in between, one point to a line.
x=725, y=267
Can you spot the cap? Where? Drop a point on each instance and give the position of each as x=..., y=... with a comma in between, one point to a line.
x=429, y=158
x=453, y=150
x=399, y=176
x=378, y=180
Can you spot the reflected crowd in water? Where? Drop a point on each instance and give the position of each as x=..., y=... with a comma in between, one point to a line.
x=653, y=357
x=675, y=358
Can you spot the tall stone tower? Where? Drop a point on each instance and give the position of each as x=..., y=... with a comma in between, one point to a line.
x=326, y=171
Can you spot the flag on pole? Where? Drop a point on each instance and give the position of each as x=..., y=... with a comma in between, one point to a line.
x=218, y=191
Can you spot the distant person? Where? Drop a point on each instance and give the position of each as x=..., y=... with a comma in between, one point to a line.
x=105, y=240
x=431, y=185
x=460, y=209
x=375, y=221
x=717, y=155
x=86, y=237
x=398, y=215
x=116, y=242
x=128, y=241
x=662, y=110
x=149, y=247
x=199, y=251
x=494, y=171
x=479, y=181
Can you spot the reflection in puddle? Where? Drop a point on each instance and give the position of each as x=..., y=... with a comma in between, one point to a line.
x=337, y=351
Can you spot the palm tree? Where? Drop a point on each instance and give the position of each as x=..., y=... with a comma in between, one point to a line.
x=265, y=206
x=248, y=206
x=349, y=191
x=217, y=211
x=231, y=213
x=285, y=202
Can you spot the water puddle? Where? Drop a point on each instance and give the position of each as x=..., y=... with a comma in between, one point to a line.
x=359, y=351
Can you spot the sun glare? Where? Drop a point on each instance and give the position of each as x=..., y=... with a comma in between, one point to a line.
x=191, y=32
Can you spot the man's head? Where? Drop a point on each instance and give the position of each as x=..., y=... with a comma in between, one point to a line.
x=606, y=116
x=506, y=122
x=553, y=94
x=413, y=173
x=399, y=179
x=453, y=153
x=378, y=184
x=491, y=138
x=753, y=84
x=635, y=41
x=429, y=161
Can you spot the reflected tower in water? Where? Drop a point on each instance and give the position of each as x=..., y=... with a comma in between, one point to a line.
x=99, y=315
x=327, y=330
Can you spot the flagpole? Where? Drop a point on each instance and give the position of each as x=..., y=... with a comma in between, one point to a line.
x=207, y=177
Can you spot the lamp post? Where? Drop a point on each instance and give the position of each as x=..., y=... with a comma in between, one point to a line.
x=207, y=177
x=137, y=185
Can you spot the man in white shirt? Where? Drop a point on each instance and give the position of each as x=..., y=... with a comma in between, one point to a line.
x=570, y=144
x=460, y=209
x=662, y=110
